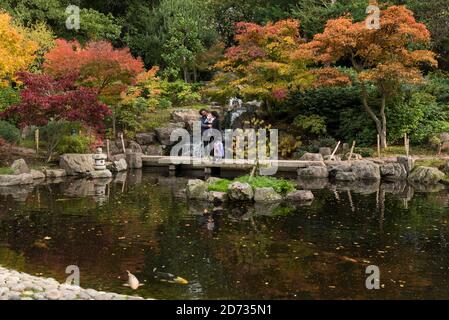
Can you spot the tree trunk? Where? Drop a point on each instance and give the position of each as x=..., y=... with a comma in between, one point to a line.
x=186, y=74
x=195, y=74
x=381, y=126
x=114, y=129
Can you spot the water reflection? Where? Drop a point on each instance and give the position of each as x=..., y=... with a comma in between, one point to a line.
x=141, y=221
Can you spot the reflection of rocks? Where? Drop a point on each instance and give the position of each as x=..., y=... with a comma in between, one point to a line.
x=197, y=207
x=266, y=209
x=80, y=188
x=428, y=187
x=300, y=196
x=312, y=184
x=15, y=179
x=135, y=177
x=120, y=177
x=394, y=187
x=18, y=193
x=362, y=187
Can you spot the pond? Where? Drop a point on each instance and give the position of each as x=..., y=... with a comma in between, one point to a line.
x=142, y=221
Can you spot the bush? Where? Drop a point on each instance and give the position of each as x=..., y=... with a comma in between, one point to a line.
x=288, y=144
x=75, y=144
x=179, y=93
x=8, y=97
x=364, y=152
x=9, y=132
x=313, y=125
x=281, y=186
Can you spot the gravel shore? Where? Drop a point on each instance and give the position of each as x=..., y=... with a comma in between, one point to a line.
x=16, y=285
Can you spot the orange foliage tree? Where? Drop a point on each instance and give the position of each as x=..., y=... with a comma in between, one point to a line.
x=386, y=57
x=259, y=66
x=100, y=66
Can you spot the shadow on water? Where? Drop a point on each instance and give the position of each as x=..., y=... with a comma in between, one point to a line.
x=319, y=250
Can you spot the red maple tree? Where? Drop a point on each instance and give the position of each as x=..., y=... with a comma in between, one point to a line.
x=46, y=98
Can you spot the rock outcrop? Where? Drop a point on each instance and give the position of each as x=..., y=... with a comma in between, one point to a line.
x=76, y=164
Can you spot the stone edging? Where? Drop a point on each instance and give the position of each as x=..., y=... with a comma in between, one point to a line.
x=16, y=285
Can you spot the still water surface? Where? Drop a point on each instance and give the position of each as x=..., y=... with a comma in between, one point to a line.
x=319, y=251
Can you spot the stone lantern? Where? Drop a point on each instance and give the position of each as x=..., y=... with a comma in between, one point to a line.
x=99, y=160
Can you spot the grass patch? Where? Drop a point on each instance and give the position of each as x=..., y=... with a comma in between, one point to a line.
x=281, y=186
x=6, y=170
x=400, y=151
x=220, y=185
x=434, y=162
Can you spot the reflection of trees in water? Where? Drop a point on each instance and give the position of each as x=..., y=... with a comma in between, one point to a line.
x=316, y=251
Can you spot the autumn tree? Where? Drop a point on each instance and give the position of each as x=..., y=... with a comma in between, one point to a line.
x=107, y=70
x=17, y=52
x=260, y=65
x=45, y=98
x=384, y=58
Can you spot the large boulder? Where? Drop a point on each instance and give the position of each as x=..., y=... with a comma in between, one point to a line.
x=345, y=176
x=55, y=173
x=366, y=170
x=163, y=133
x=20, y=166
x=311, y=157
x=325, y=151
x=300, y=195
x=185, y=115
x=76, y=164
x=393, y=172
x=196, y=189
x=37, y=174
x=118, y=166
x=266, y=195
x=134, y=160
x=153, y=150
x=15, y=179
x=426, y=175
x=313, y=172
x=407, y=162
x=146, y=138
x=213, y=196
x=240, y=191
x=333, y=169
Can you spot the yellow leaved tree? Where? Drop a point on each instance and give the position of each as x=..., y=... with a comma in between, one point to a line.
x=17, y=52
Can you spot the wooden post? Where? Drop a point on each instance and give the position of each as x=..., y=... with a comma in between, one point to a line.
x=123, y=143
x=406, y=145
x=352, y=150
x=378, y=146
x=36, y=139
x=107, y=149
x=335, y=150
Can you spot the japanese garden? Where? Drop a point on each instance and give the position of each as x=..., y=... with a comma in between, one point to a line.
x=224, y=149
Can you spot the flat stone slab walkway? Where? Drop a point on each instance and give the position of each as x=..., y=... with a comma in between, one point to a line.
x=16, y=285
